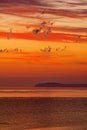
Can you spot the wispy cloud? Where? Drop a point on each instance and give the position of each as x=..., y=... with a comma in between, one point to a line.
x=53, y=37
x=16, y=50
x=39, y=57
x=70, y=15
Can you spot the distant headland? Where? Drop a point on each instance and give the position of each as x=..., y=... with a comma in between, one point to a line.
x=55, y=84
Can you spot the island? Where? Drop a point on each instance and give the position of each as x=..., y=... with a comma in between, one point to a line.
x=54, y=84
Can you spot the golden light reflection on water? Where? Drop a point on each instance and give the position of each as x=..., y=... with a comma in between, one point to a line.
x=44, y=93
x=60, y=128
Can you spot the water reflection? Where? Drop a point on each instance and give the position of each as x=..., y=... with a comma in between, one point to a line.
x=44, y=93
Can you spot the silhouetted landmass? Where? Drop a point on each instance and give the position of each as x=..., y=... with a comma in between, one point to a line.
x=54, y=84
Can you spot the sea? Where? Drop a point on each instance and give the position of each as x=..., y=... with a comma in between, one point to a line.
x=36, y=112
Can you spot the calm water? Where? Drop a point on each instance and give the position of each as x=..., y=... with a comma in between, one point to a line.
x=43, y=113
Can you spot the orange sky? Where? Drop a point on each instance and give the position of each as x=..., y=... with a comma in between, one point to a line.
x=42, y=42
x=66, y=62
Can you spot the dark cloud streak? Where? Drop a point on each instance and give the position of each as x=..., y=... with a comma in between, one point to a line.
x=23, y=2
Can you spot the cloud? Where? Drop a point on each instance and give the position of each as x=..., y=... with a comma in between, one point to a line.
x=77, y=3
x=72, y=29
x=40, y=6
x=51, y=58
x=53, y=37
x=46, y=49
x=26, y=11
x=50, y=49
x=69, y=13
x=10, y=50
x=22, y=2
x=67, y=16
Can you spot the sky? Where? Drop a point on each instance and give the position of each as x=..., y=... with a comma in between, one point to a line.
x=42, y=41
